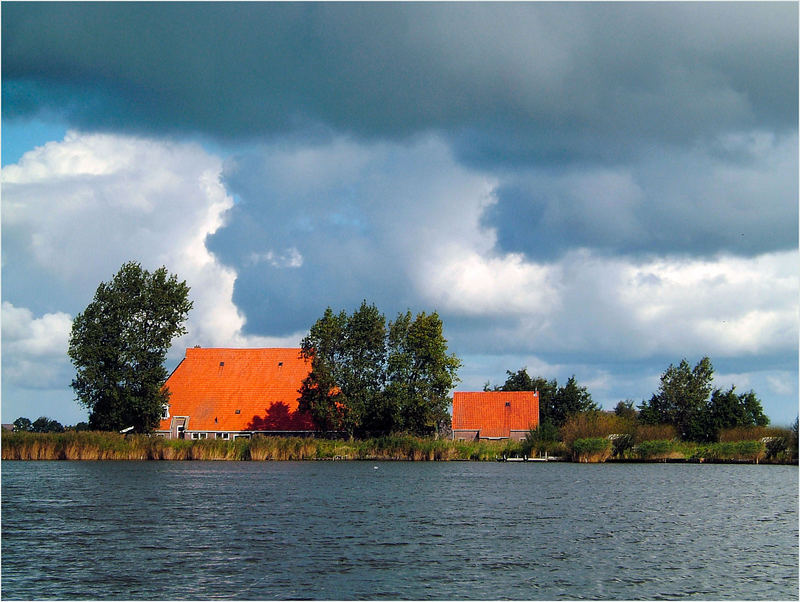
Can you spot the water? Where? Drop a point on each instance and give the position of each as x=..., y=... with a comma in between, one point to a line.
x=346, y=530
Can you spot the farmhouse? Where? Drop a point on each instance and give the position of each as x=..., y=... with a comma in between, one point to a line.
x=231, y=393
x=494, y=414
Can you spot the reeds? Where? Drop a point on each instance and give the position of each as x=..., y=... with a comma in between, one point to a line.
x=73, y=445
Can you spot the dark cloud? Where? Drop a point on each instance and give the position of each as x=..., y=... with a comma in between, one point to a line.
x=735, y=196
x=509, y=82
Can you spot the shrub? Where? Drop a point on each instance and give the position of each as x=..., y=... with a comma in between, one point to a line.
x=585, y=425
x=659, y=449
x=653, y=432
x=591, y=449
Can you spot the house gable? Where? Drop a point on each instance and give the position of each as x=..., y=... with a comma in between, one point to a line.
x=495, y=414
x=238, y=390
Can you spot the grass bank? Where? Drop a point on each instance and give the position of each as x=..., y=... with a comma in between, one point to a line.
x=112, y=446
x=73, y=445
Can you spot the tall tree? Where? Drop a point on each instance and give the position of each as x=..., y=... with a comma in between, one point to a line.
x=571, y=399
x=420, y=372
x=364, y=370
x=347, y=375
x=728, y=410
x=366, y=379
x=320, y=394
x=119, y=343
x=681, y=399
x=556, y=403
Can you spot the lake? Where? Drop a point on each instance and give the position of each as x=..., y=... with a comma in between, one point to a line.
x=397, y=530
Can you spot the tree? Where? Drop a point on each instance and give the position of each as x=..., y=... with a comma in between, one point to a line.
x=367, y=379
x=320, y=395
x=347, y=356
x=43, y=424
x=119, y=343
x=420, y=373
x=521, y=381
x=729, y=410
x=625, y=409
x=681, y=399
x=22, y=424
x=571, y=399
x=556, y=403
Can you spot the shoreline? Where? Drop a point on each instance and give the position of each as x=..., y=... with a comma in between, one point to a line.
x=94, y=446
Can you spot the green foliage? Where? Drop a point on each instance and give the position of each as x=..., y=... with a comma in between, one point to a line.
x=571, y=399
x=591, y=449
x=654, y=450
x=542, y=440
x=728, y=410
x=685, y=400
x=625, y=409
x=22, y=424
x=368, y=379
x=681, y=399
x=555, y=403
x=419, y=374
x=43, y=424
x=119, y=343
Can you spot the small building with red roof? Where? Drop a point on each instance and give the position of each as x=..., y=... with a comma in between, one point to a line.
x=228, y=393
x=494, y=414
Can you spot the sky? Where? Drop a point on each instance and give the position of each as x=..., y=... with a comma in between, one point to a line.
x=589, y=189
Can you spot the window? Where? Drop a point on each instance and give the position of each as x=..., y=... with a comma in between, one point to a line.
x=165, y=411
x=241, y=436
x=238, y=411
x=223, y=435
x=199, y=435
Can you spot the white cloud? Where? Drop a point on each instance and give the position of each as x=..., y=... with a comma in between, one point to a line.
x=291, y=258
x=23, y=334
x=76, y=210
x=35, y=349
x=469, y=283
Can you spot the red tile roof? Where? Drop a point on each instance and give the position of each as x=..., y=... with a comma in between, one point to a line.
x=495, y=413
x=210, y=385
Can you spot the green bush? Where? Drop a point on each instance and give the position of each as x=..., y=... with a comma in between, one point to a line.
x=591, y=449
x=659, y=449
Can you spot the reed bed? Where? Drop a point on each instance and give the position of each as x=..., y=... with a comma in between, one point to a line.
x=73, y=445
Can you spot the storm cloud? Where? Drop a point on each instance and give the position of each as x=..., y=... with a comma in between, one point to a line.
x=508, y=82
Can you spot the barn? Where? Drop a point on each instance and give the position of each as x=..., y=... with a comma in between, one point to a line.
x=494, y=414
x=218, y=393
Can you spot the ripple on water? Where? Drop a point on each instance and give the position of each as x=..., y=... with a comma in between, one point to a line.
x=106, y=530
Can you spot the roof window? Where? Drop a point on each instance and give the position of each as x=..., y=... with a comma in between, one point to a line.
x=221, y=364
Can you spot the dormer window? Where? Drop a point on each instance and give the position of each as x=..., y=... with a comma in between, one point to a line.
x=165, y=411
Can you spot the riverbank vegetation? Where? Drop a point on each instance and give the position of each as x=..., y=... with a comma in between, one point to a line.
x=94, y=445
